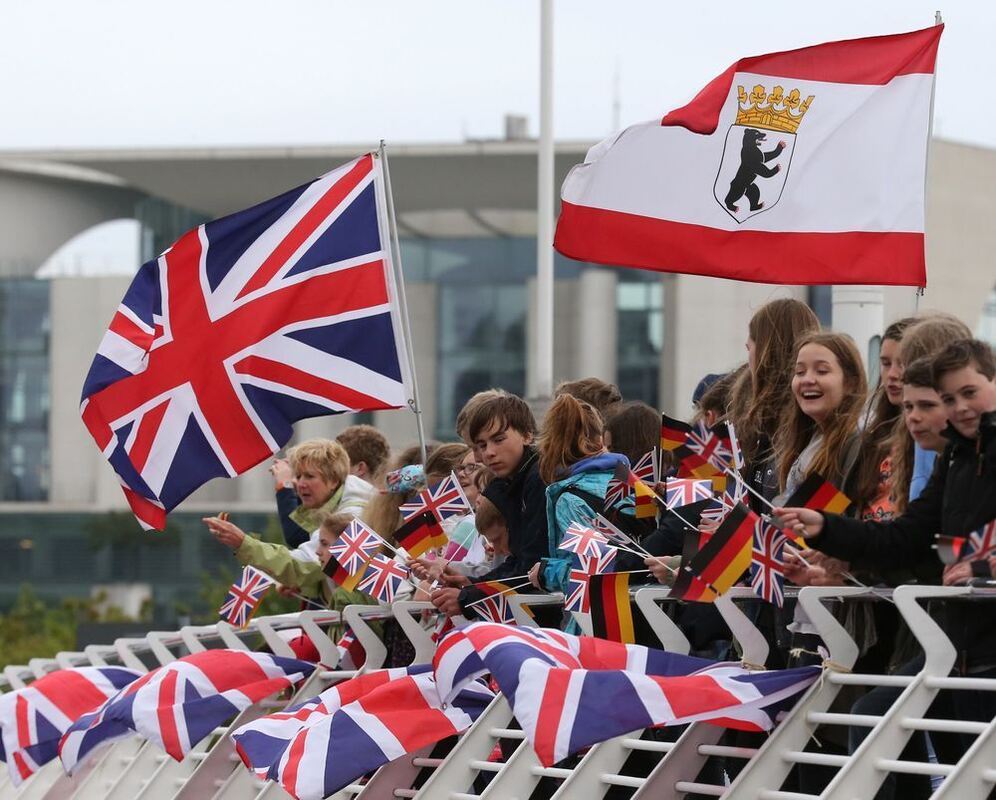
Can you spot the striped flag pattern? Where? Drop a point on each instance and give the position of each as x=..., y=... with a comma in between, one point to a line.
x=323, y=745
x=727, y=555
x=611, y=610
x=244, y=597
x=570, y=692
x=34, y=719
x=181, y=703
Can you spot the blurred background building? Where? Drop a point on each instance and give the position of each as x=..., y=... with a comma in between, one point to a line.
x=467, y=225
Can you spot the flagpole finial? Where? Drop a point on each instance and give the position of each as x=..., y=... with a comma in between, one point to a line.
x=937, y=17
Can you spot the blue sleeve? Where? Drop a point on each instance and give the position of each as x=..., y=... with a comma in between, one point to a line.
x=287, y=503
x=555, y=572
x=923, y=465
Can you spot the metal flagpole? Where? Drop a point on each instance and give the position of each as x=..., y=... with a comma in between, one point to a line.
x=413, y=401
x=926, y=169
x=543, y=369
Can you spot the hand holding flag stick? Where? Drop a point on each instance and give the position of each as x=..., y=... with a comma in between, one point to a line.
x=618, y=536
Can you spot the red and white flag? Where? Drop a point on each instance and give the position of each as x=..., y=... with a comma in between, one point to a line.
x=801, y=167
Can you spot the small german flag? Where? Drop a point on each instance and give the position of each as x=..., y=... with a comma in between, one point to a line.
x=645, y=499
x=727, y=555
x=692, y=465
x=819, y=495
x=420, y=534
x=674, y=433
x=611, y=612
x=337, y=572
x=687, y=585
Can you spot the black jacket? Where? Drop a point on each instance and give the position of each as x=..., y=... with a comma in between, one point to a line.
x=287, y=504
x=959, y=498
x=524, y=509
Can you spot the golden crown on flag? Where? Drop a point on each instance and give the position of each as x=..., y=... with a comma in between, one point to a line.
x=773, y=112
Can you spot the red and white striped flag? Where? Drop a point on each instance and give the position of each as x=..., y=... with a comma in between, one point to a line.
x=801, y=167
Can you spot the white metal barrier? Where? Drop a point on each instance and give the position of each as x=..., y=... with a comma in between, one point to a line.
x=132, y=770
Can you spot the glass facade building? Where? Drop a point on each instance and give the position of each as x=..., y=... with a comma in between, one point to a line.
x=24, y=389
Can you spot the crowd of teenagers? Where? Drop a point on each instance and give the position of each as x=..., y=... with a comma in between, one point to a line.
x=916, y=455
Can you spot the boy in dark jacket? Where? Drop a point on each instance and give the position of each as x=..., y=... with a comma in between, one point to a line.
x=501, y=429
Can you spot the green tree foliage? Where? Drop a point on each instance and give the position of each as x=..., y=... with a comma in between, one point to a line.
x=33, y=629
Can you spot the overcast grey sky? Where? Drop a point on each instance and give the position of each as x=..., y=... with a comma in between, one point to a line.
x=118, y=73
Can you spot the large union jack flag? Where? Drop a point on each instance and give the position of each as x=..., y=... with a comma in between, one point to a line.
x=179, y=704
x=245, y=325
x=767, y=567
x=33, y=719
x=244, y=597
x=570, y=692
x=317, y=747
x=445, y=499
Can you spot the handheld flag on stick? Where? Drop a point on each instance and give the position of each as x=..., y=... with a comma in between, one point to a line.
x=244, y=597
x=340, y=575
x=583, y=540
x=646, y=468
x=445, y=499
x=420, y=533
x=356, y=545
x=611, y=610
x=584, y=566
x=687, y=585
x=383, y=578
x=979, y=544
x=767, y=567
x=680, y=492
x=727, y=554
x=819, y=495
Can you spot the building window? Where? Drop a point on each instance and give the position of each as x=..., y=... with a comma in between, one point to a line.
x=640, y=305
x=24, y=389
x=482, y=333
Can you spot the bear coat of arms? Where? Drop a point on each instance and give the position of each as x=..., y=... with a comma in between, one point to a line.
x=753, y=169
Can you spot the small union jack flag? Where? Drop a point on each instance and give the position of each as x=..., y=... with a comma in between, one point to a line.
x=244, y=597
x=383, y=579
x=981, y=543
x=496, y=608
x=711, y=444
x=767, y=568
x=680, y=492
x=445, y=499
x=583, y=568
x=646, y=468
x=583, y=541
x=620, y=485
x=610, y=531
x=356, y=545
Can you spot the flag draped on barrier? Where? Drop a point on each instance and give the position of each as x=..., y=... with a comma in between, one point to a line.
x=317, y=747
x=569, y=692
x=245, y=325
x=179, y=704
x=801, y=167
x=34, y=719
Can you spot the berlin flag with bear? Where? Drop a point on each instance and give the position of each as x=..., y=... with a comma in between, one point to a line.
x=801, y=167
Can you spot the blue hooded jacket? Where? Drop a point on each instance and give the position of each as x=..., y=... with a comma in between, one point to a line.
x=591, y=475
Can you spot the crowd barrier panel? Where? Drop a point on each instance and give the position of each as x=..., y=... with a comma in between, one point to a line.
x=134, y=770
